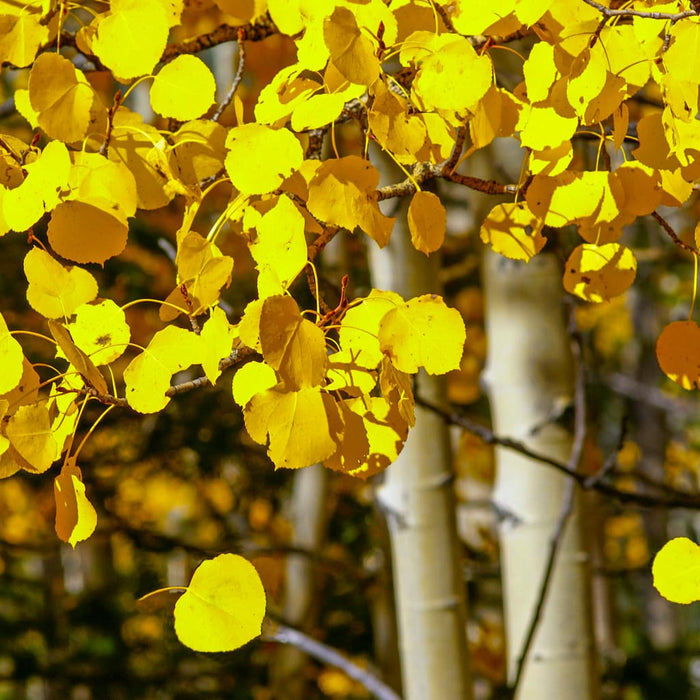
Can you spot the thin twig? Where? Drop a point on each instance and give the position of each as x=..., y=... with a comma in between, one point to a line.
x=674, y=236
x=276, y=632
x=609, y=12
x=236, y=79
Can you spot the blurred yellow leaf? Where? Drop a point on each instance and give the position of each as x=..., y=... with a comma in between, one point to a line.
x=678, y=353
x=183, y=89
x=11, y=359
x=76, y=518
x=427, y=222
x=676, y=571
x=423, y=332
x=223, y=607
x=54, y=290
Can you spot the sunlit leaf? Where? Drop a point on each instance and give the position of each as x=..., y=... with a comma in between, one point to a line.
x=100, y=331
x=427, y=222
x=11, y=359
x=217, y=340
x=223, y=607
x=599, y=273
x=183, y=89
x=511, y=229
x=676, y=571
x=76, y=518
x=253, y=378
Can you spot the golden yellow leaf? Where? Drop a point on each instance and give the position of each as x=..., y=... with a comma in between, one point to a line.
x=249, y=326
x=453, y=78
x=290, y=88
x=279, y=248
x=29, y=433
x=302, y=425
x=21, y=35
x=540, y=72
x=223, y=607
x=496, y=16
x=217, y=340
x=198, y=151
x=343, y=192
x=318, y=110
x=676, y=571
x=202, y=269
x=46, y=177
x=344, y=373
x=427, y=222
x=423, y=332
x=76, y=518
x=292, y=345
x=11, y=359
x=351, y=51
x=496, y=115
x=183, y=89
x=131, y=38
x=131, y=144
x=27, y=390
x=542, y=127
x=148, y=375
x=100, y=331
x=551, y=161
x=253, y=378
x=78, y=359
x=352, y=445
x=65, y=103
x=511, y=229
x=54, y=290
x=397, y=389
x=72, y=232
x=678, y=353
x=359, y=328
x=260, y=158
x=599, y=272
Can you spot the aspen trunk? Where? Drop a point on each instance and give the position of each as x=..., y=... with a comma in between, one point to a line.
x=529, y=372
x=417, y=495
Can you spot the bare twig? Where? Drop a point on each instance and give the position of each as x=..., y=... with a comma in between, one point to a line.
x=609, y=12
x=674, y=236
x=236, y=79
x=276, y=632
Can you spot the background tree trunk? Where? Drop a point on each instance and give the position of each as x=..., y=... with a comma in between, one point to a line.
x=417, y=495
x=529, y=372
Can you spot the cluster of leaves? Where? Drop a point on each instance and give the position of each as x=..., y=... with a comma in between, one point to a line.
x=327, y=385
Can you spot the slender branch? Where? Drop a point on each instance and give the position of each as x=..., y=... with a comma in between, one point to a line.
x=609, y=12
x=276, y=632
x=110, y=123
x=674, y=236
x=236, y=79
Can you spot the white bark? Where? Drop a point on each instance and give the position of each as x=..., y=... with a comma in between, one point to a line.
x=529, y=373
x=418, y=496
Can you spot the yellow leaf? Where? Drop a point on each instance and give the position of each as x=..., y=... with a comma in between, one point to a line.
x=423, y=332
x=511, y=229
x=352, y=445
x=21, y=35
x=217, y=340
x=29, y=433
x=251, y=379
x=260, y=158
x=279, y=248
x=344, y=373
x=27, y=390
x=249, y=326
x=397, y=389
x=540, y=72
x=54, y=290
x=78, y=359
x=599, y=273
x=587, y=78
x=676, y=571
x=183, y=89
x=351, y=51
x=47, y=176
x=359, y=327
x=683, y=50
x=317, y=111
x=678, y=353
x=343, y=192
x=100, y=331
x=485, y=18
x=427, y=222
x=76, y=518
x=453, y=78
x=11, y=359
x=302, y=425
x=203, y=270
x=551, y=161
x=292, y=345
x=131, y=38
x=545, y=128
x=65, y=103
x=72, y=232
x=148, y=375
x=496, y=115
x=198, y=151
x=223, y=607
x=289, y=89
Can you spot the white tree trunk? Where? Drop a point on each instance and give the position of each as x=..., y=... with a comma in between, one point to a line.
x=529, y=373
x=417, y=494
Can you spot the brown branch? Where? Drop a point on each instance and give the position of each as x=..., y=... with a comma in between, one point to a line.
x=485, y=186
x=609, y=12
x=110, y=123
x=236, y=79
x=257, y=30
x=673, y=235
